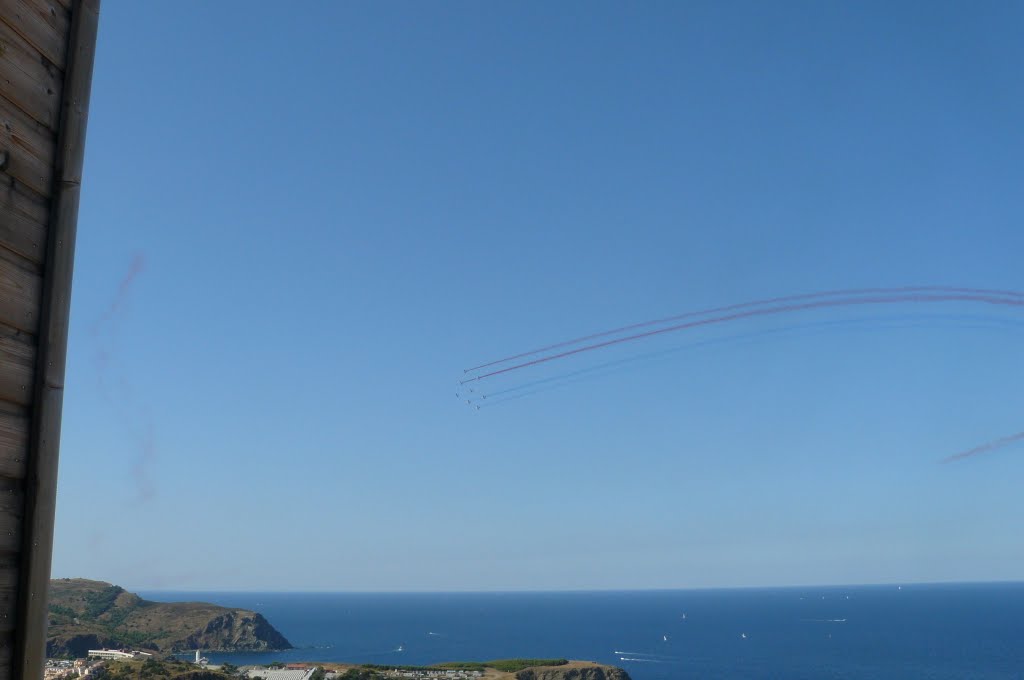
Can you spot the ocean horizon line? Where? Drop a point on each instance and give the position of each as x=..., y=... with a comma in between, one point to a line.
x=568, y=591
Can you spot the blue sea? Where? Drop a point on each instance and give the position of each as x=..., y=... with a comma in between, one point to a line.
x=862, y=632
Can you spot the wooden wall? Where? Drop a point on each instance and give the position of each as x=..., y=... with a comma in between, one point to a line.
x=46, y=54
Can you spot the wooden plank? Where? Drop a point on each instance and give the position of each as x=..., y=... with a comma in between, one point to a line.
x=27, y=80
x=12, y=509
x=17, y=197
x=44, y=24
x=14, y=423
x=8, y=594
x=21, y=292
x=23, y=215
x=8, y=608
x=27, y=149
x=8, y=571
x=7, y=648
x=33, y=136
x=40, y=484
x=17, y=366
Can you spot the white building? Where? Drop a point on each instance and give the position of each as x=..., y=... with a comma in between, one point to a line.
x=281, y=673
x=119, y=654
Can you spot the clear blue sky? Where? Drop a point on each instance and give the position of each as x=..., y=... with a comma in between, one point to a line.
x=339, y=206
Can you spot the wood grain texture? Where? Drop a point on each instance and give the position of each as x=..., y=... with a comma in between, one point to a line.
x=6, y=655
x=43, y=24
x=8, y=570
x=21, y=199
x=21, y=292
x=8, y=602
x=23, y=217
x=8, y=599
x=27, y=149
x=12, y=505
x=17, y=365
x=28, y=80
x=14, y=424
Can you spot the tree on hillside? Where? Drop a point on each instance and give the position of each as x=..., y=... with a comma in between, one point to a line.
x=152, y=668
x=358, y=674
x=117, y=670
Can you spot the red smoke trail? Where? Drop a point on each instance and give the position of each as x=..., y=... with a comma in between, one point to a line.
x=755, y=303
x=137, y=266
x=879, y=300
x=600, y=370
x=106, y=321
x=141, y=470
x=984, y=448
x=116, y=390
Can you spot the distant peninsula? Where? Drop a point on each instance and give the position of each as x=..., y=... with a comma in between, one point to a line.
x=88, y=615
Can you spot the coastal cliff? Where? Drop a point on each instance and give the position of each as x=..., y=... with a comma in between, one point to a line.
x=573, y=671
x=88, y=615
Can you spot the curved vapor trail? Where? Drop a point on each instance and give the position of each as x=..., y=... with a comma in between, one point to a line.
x=986, y=447
x=754, y=303
x=499, y=396
x=763, y=311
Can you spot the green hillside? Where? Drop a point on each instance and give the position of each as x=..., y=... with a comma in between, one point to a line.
x=88, y=614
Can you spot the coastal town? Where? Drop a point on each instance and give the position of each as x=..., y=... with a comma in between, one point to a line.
x=65, y=669
x=92, y=666
x=132, y=664
x=300, y=671
x=95, y=667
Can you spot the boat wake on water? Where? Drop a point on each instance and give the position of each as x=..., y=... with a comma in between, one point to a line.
x=824, y=620
x=644, y=657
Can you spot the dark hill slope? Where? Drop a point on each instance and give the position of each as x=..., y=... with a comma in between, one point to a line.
x=91, y=614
